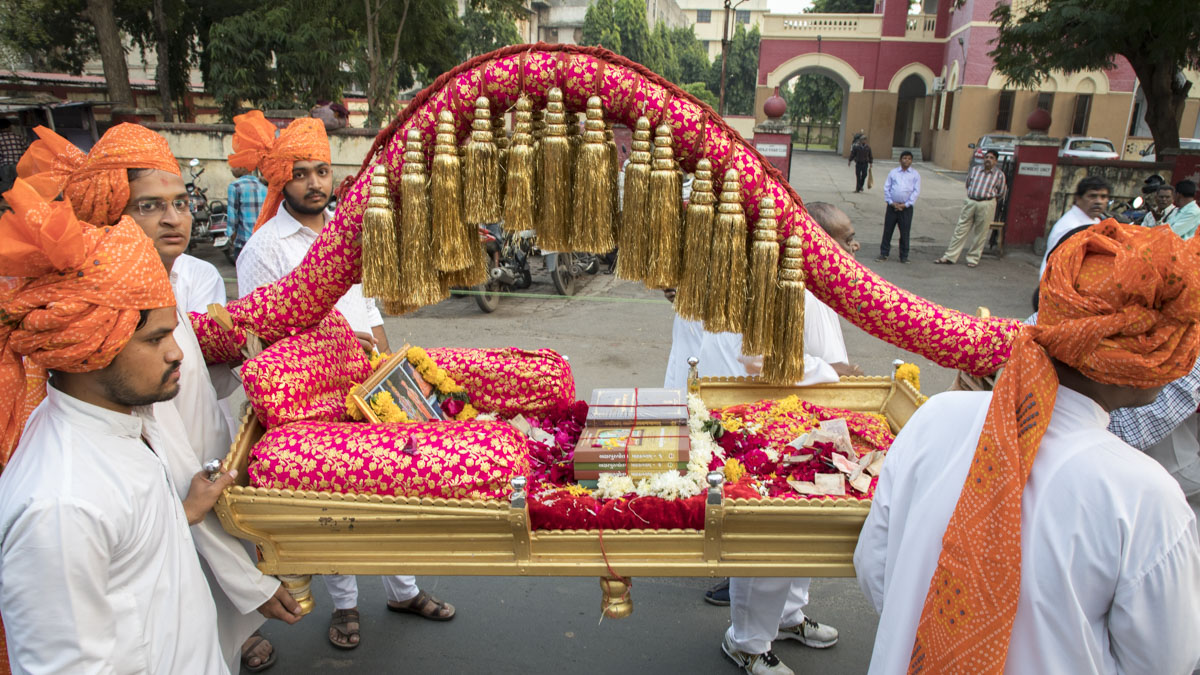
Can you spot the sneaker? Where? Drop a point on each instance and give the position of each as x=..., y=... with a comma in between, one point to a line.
x=755, y=664
x=810, y=634
x=882, y=258
x=719, y=594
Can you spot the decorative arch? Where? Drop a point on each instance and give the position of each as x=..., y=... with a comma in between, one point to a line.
x=952, y=83
x=919, y=69
x=1088, y=83
x=829, y=65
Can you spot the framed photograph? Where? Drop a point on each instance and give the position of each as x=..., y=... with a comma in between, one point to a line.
x=410, y=391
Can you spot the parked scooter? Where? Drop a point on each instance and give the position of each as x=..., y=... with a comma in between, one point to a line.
x=509, y=269
x=210, y=222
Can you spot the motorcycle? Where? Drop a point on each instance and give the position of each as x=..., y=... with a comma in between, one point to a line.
x=210, y=222
x=1127, y=212
x=508, y=256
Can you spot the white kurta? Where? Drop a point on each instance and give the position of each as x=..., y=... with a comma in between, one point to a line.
x=277, y=248
x=1110, y=565
x=686, y=336
x=1073, y=218
x=823, y=332
x=202, y=285
x=98, y=572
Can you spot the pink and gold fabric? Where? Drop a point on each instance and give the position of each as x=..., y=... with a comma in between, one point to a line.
x=306, y=376
x=510, y=382
x=948, y=337
x=453, y=460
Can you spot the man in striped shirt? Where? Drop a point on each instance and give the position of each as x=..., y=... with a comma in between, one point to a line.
x=985, y=184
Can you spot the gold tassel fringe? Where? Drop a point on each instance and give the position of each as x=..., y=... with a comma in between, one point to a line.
x=666, y=194
x=727, y=305
x=555, y=172
x=614, y=169
x=694, y=284
x=502, y=141
x=633, y=255
x=785, y=363
x=418, y=280
x=452, y=237
x=593, y=230
x=380, y=252
x=760, y=291
x=518, y=192
x=481, y=170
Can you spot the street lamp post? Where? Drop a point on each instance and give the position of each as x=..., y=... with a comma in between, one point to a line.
x=725, y=54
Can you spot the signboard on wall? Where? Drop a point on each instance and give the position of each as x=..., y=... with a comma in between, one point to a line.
x=772, y=149
x=1035, y=169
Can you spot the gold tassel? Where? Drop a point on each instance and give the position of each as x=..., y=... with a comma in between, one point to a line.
x=452, y=237
x=785, y=363
x=614, y=170
x=556, y=178
x=380, y=253
x=593, y=188
x=665, y=200
x=481, y=170
x=418, y=280
x=501, y=139
x=726, y=303
x=633, y=253
x=760, y=291
x=694, y=282
x=518, y=192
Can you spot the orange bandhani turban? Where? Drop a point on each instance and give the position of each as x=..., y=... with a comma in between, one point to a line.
x=71, y=298
x=255, y=146
x=1120, y=304
x=97, y=183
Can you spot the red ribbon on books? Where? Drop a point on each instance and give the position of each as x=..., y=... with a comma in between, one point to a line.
x=628, y=438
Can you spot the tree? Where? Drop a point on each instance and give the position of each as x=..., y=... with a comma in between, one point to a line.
x=485, y=29
x=600, y=26
x=689, y=54
x=1078, y=35
x=700, y=90
x=813, y=98
x=841, y=7
x=741, y=71
x=629, y=16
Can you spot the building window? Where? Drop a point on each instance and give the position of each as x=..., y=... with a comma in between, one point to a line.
x=742, y=16
x=704, y=16
x=937, y=110
x=1045, y=101
x=948, y=110
x=1004, y=110
x=1083, y=111
x=704, y=44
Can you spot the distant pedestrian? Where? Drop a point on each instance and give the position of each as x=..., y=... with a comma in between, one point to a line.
x=860, y=155
x=900, y=191
x=985, y=184
x=246, y=196
x=1091, y=197
x=1162, y=205
x=1187, y=213
x=12, y=143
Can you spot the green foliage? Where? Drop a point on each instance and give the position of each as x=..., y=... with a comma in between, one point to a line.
x=629, y=16
x=813, y=98
x=54, y=35
x=700, y=90
x=1078, y=35
x=690, y=55
x=600, y=26
x=485, y=29
x=842, y=7
x=741, y=71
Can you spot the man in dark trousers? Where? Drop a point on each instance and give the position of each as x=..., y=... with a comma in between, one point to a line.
x=860, y=155
x=900, y=191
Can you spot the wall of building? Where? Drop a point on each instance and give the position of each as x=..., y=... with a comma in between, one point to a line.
x=710, y=31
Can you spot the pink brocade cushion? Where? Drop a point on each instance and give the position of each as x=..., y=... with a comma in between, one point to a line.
x=464, y=460
x=510, y=381
x=306, y=376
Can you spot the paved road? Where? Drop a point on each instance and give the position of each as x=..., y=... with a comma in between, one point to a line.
x=618, y=334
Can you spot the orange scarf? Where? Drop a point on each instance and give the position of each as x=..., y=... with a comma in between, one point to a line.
x=97, y=183
x=72, y=299
x=256, y=147
x=1120, y=304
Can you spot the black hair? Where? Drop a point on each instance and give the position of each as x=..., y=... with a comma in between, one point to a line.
x=1187, y=188
x=5, y=124
x=906, y=153
x=1092, y=183
x=993, y=153
x=134, y=174
x=143, y=317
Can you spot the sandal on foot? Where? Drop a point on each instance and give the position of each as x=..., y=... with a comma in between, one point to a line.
x=972, y=265
x=943, y=261
x=251, y=645
x=426, y=606
x=343, y=629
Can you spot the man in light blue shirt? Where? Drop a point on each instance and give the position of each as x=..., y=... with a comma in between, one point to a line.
x=1184, y=219
x=900, y=191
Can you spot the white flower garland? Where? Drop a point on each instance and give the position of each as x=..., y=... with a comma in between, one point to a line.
x=670, y=484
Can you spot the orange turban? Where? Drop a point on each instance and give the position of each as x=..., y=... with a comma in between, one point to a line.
x=256, y=147
x=96, y=184
x=1120, y=304
x=71, y=299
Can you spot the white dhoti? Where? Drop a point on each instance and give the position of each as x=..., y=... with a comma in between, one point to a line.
x=759, y=607
x=343, y=588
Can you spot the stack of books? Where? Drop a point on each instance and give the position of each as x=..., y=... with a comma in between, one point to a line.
x=633, y=432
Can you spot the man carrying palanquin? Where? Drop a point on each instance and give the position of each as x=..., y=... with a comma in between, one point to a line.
x=296, y=166
x=100, y=188
x=1010, y=531
x=98, y=570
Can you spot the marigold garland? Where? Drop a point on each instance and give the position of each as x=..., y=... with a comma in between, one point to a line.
x=911, y=373
x=385, y=408
x=434, y=375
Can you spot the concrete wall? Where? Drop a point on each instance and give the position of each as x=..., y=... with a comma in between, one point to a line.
x=213, y=143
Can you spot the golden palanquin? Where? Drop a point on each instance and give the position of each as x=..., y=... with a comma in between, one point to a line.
x=303, y=533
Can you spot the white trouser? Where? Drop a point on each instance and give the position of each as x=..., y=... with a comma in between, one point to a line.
x=343, y=588
x=758, y=607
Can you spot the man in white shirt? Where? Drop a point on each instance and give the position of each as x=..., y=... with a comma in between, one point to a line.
x=1067, y=550
x=275, y=248
x=98, y=570
x=1162, y=208
x=1091, y=198
x=1186, y=217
